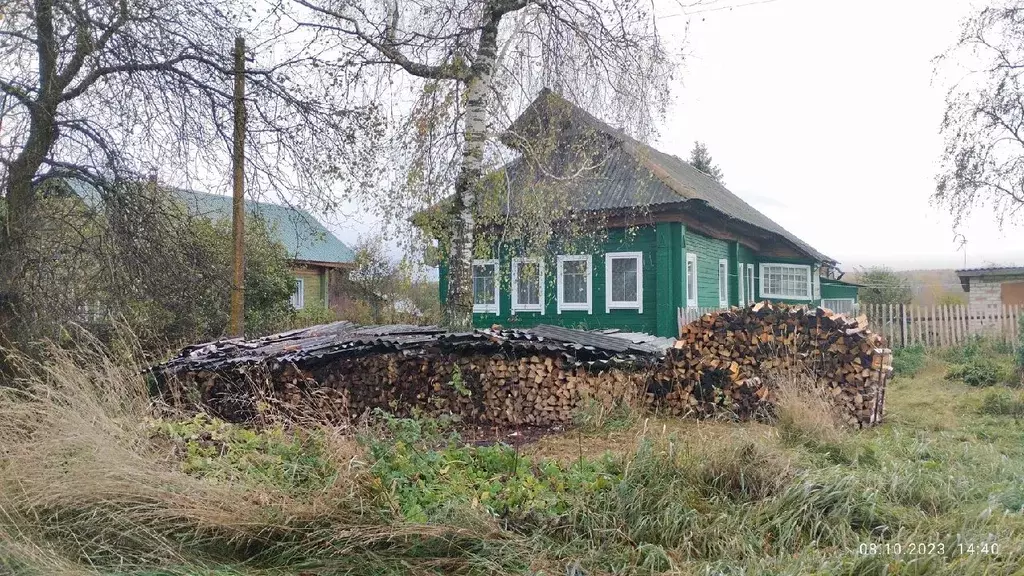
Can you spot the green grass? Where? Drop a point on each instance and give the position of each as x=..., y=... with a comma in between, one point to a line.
x=89, y=485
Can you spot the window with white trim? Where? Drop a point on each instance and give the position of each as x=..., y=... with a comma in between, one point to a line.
x=723, y=283
x=575, y=288
x=792, y=281
x=741, y=280
x=528, y=285
x=299, y=295
x=624, y=280
x=691, y=280
x=839, y=305
x=751, y=295
x=485, y=287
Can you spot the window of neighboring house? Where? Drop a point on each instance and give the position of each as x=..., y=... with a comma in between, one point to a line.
x=723, y=283
x=751, y=296
x=792, y=281
x=485, y=287
x=527, y=285
x=691, y=280
x=624, y=280
x=740, y=285
x=299, y=296
x=838, y=305
x=575, y=290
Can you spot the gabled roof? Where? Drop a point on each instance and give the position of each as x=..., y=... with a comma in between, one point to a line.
x=634, y=174
x=303, y=236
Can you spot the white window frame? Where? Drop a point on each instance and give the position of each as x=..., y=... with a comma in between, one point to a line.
x=562, y=304
x=516, y=306
x=806, y=268
x=723, y=282
x=852, y=301
x=751, y=295
x=299, y=296
x=691, y=298
x=741, y=296
x=816, y=287
x=487, y=308
x=637, y=304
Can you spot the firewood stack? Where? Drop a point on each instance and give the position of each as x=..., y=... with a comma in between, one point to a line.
x=724, y=362
x=541, y=377
x=732, y=360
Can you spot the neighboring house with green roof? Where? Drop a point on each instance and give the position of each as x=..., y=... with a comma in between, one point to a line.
x=315, y=253
x=674, y=237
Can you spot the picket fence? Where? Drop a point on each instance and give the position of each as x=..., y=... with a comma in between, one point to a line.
x=942, y=326
x=929, y=326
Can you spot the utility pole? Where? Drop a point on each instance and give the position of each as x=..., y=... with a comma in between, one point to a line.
x=238, y=204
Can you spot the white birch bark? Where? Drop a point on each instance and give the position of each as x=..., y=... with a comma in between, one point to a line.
x=458, y=312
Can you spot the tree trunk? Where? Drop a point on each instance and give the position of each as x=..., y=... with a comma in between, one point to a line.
x=458, y=309
x=19, y=193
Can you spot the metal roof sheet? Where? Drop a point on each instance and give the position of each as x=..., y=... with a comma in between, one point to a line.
x=318, y=345
x=302, y=235
x=636, y=174
x=1002, y=271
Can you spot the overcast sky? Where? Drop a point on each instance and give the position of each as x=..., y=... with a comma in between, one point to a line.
x=824, y=115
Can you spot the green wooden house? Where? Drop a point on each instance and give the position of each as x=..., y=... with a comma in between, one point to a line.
x=672, y=237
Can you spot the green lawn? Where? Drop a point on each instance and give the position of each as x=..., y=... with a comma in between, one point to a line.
x=94, y=487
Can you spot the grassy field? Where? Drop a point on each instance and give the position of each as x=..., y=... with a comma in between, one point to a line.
x=92, y=483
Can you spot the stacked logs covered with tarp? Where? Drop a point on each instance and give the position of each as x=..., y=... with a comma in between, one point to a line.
x=337, y=372
x=733, y=361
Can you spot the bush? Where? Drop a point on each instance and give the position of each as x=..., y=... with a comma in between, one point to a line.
x=983, y=372
x=1003, y=403
x=908, y=361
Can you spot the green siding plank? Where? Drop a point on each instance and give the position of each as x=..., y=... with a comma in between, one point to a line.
x=734, y=282
x=663, y=281
x=641, y=239
x=709, y=251
x=678, y=268
x=830, y=290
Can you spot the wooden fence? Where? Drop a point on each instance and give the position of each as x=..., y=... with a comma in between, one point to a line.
x=686, y=315
x=942, y=326
x=929, y=326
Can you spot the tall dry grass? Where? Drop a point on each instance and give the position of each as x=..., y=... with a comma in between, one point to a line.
x=85, y=488
x=805, y=409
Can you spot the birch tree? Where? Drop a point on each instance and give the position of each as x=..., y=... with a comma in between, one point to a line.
x=983, y=160
x=106, y=91
x=471, y=66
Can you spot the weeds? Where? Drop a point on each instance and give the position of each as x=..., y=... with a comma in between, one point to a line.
x=1003, y=403
x=981, y=362
x=92, y=483
x=908, y=361
x=595, y=417
x=86, y=484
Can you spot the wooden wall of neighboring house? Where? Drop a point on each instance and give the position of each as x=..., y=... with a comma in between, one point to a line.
x=313, y=280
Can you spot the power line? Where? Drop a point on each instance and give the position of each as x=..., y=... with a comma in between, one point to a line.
x=710, y=8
